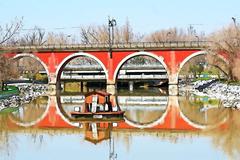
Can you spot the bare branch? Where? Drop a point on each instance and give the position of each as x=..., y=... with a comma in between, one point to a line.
x=10, y=30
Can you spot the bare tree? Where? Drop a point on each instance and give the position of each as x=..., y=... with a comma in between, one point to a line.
x=127, y=32
x=172, y=34
x=29, y=67
x=8, y=31
x=94, y=34
x=8, y=70
x=227, y=43
x=59, y=38
x=35, y=37
x=99, y=34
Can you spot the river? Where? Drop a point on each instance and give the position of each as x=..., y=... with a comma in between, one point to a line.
x=155, y=126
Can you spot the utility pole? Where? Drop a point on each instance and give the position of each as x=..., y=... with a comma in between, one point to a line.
x=111, y=24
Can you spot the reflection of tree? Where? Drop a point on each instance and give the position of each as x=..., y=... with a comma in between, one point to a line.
x=32, y=111
x=6, y=141
x=227, y=137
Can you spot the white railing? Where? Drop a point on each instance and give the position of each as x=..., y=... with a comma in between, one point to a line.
x=83, y=77
x=142, y=76
x=143, y=100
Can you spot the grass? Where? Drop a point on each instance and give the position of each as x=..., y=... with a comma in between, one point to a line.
x=8, y=110
x=9, y=91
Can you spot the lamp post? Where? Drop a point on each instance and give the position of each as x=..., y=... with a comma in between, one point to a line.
x=234, y=21
x=237, y=30
x=111, y=24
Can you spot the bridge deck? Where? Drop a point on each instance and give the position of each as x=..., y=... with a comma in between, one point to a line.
x=105, y=47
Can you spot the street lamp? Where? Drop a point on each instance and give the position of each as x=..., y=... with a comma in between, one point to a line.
x=234, y=21
x=111, y=24
x=236, y=27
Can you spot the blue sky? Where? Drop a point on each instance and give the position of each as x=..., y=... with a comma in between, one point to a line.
x=144, y=15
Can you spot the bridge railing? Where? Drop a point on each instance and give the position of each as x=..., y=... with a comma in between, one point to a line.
x=105, y=46
x=96, y=77
x=83, y=77
x=142, y=76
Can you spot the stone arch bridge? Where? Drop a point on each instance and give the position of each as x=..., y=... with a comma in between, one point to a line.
x=172, y=55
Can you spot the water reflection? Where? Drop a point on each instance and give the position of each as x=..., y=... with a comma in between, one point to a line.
x=31, y=113
x=197, y=124
x=226, y=137
x=142, y=109
x=202, y=111
x=97, y=132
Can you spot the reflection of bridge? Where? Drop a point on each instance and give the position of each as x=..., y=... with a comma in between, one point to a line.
x=142, y=100
x=172, y=56
x=171, y=119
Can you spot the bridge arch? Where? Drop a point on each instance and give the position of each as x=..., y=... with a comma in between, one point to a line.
x=195, y=55
x=75, y=55
x=141, y=53
x=21, y=55
x=190, y=57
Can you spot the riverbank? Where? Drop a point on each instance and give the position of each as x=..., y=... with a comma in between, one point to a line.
x=9, y=91
x=26, y=94
x=228, y=94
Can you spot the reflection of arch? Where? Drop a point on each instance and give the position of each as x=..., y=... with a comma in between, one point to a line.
x=28, y=124
x=142, y=53
x=197, y=54
x=201, y=126
x=63, y=114
x=19, y=56
x=196, y=124
x=149, y=124
x=75, y=55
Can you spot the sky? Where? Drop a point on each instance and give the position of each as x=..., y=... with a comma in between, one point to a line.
x=145, y=16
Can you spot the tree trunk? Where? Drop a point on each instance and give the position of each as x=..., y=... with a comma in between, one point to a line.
x=231, y=76
x=1, y=86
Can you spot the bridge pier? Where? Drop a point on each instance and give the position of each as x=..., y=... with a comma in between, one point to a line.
x=84, y=87
x=131, y=85
x=173, y=89
x=52, y=88
x=173, y=85
x=111, y=87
